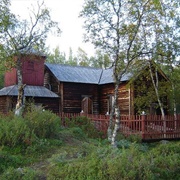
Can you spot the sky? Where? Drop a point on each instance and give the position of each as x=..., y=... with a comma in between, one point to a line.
x=65, y=12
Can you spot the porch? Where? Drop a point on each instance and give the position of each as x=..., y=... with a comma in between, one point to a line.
x=149, y=127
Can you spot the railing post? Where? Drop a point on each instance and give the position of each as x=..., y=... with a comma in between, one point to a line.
x=143, y=118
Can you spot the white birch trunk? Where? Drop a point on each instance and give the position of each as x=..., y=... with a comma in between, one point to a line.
x=113, y=128
x=20, y=98
x=116, y=127
x=174, y=107
x=156, y=86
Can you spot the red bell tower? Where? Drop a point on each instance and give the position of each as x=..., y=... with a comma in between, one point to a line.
x=32, y=71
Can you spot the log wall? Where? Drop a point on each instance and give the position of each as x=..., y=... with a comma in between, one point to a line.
x=3, y=104
x=125, y=99
x=72, y=96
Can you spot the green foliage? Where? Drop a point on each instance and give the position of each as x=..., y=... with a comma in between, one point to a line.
x=166, y=149
x=123, y=144
x=20, y=174
x=39, y=146
x=130, y=163
x=145, y=96
x=19, y=35
x=56, y=56
x=43, y=123
x=173, y=73
x=32, y=135
x=14, y=132
x=98, y=60
x=83, y=158
x=164, y=161
x=80, y=157
x=134, y=138
x=7, y=160
x=35, y=125
x=86, y=126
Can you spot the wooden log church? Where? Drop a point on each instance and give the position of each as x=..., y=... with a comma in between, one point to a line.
x=71, y=89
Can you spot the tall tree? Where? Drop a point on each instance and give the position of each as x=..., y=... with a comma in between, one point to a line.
x=115, y=26
x=72, y=60
x=82, y=57
x=163, y=38
x=100, y=60
x=168, y=44
x=22, y=37
x=56, y=56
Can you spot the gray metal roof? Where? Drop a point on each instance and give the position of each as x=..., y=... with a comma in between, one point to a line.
x=32, y=91
x=76, y=74
x=107, y=76
x=80, y=74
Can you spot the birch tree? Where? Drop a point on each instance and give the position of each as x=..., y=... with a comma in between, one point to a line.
x=100, y=60
x=115, y=26
x=56, y=56
x=22, y=37
x=168, y=48
x=163, y=38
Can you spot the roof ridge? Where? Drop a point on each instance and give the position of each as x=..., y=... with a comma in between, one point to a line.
x=100, y=76
x=68, y=65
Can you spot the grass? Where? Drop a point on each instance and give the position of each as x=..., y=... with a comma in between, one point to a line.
x=80, y=153
x=74, y=156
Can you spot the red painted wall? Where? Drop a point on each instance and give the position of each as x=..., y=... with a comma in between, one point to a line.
x=10, y=78
x=32, y=71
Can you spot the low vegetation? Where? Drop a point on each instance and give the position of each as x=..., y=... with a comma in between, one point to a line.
x=36, y=146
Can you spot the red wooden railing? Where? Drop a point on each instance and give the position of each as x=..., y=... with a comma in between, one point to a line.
x=149, y=127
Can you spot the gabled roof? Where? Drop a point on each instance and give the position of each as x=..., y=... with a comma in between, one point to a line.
x=76, y=74
x=80, y=74
x=107, y=76
x=31, y=91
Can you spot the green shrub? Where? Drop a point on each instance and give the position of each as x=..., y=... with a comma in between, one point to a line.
x=123, y=143
x=7, y=160
x=86, y=125
x=165, y=161
x=134, y=138
x=166, y=149
x=38, y=147
x=19, y=174
x=44, y=124
x=126, y=164
x=41, y=146
x=14, y=132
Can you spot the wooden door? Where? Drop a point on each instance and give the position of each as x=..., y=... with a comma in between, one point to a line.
x=86, y=105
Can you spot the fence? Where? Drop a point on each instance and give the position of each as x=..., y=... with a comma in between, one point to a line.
x=149, y=127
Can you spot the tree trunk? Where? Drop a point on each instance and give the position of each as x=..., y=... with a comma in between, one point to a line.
x=173, y=92
x=113, y=128
x=156, y=87
x=110, y=126
x=116, y=126
x=174, y=106
x=20, y=98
